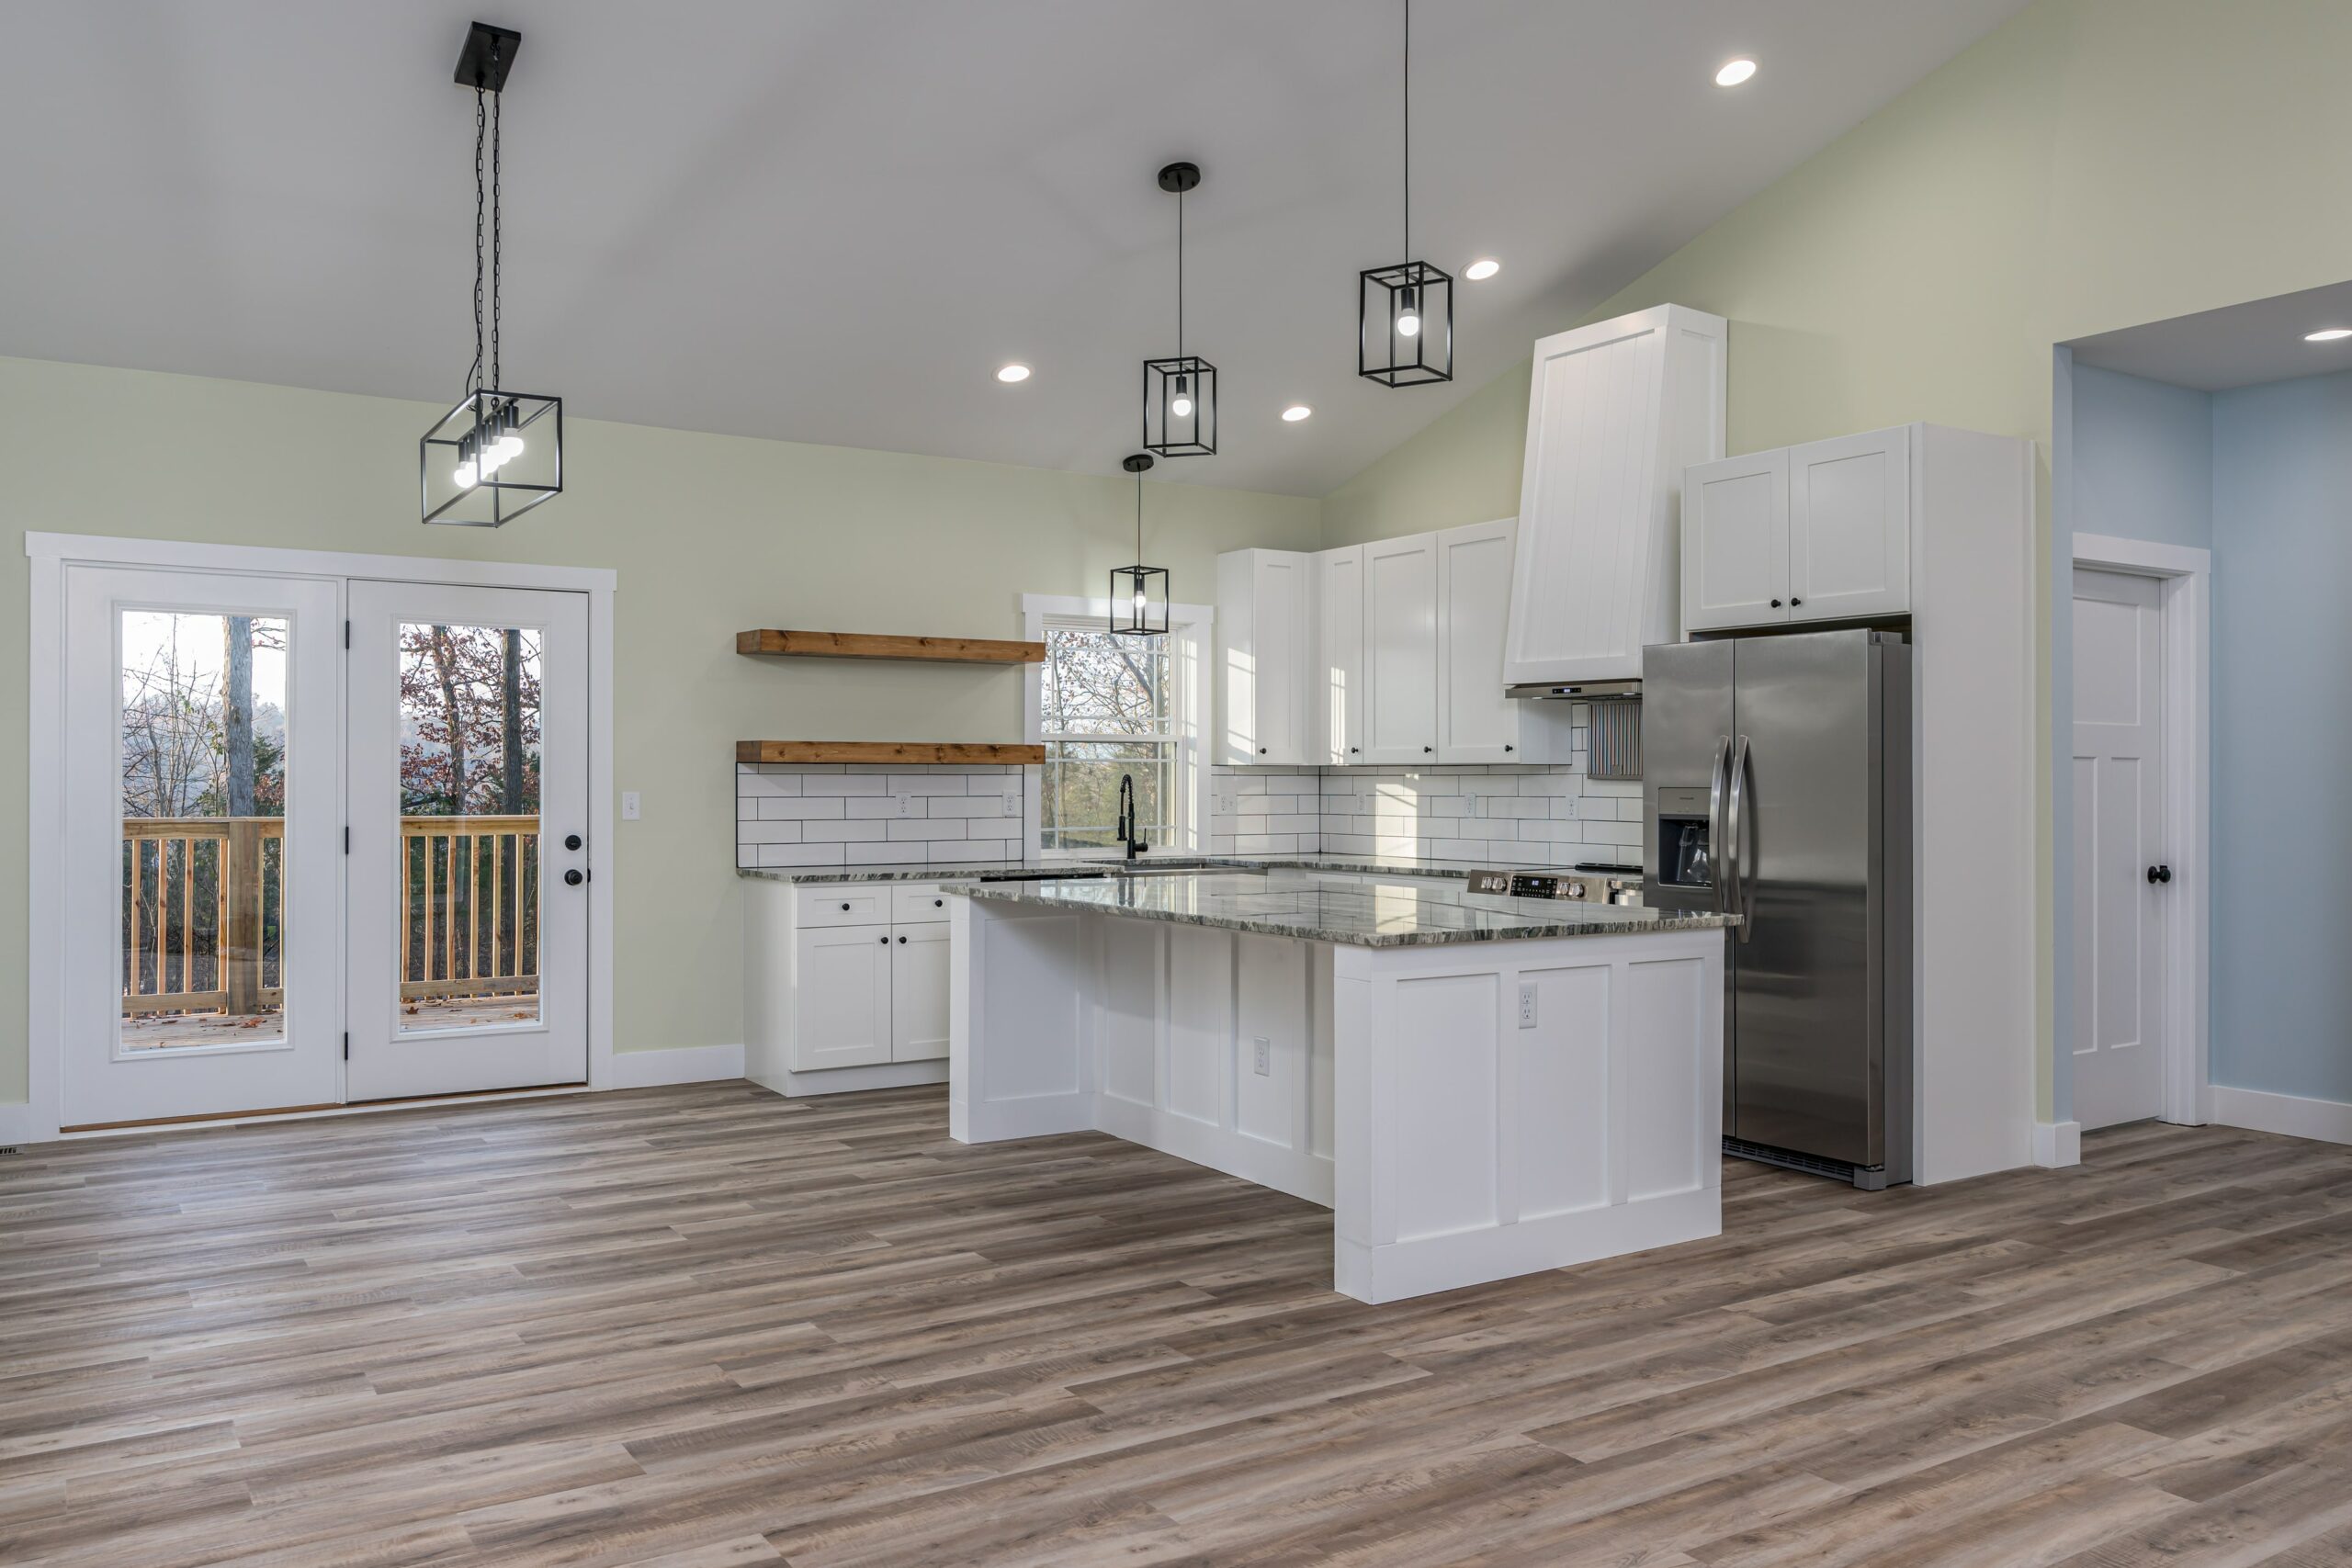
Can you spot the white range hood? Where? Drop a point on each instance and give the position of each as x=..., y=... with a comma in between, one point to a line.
x=1616, y=411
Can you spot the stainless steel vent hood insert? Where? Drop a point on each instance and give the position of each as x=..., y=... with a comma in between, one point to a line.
x=1576, y=690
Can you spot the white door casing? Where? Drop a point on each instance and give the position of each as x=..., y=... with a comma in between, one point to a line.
x=299, y=1063
x=2117, y=1033
x=551, y=1048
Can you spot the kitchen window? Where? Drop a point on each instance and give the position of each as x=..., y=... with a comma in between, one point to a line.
x=1106, y=707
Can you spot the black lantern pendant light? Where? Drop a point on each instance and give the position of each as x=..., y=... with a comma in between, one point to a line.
x=497, y=454
x=1405, y=314
x=1179, y=394
x=1138, y=593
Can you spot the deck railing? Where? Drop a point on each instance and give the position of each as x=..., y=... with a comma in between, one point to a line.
x=203, y=899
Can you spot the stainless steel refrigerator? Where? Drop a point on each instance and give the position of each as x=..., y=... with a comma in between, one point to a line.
x=1777, y=785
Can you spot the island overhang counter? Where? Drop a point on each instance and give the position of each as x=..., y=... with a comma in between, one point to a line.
x=1478, y=1086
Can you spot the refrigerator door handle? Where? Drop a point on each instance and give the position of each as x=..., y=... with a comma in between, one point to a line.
x=1718, y=845
x=1743, y=903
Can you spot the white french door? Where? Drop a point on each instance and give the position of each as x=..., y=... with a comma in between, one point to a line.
x=468, y=938
x=202, y=895
x=2120, y=875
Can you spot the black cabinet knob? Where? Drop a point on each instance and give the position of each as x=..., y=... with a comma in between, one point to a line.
x=902, y=941
x=1261, y=750
x=1794, y=601
x=2159, y=873
x=1508, y=746
x=1427, y=749
x=1352, y=751
x=845, y=908
x=1776, y=604
x=572, y=841
x=573, y=878
x=939, y=903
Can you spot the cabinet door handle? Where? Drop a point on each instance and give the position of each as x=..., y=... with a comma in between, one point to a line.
x=1776, y=604
x=1427, y=749
x=1508, y=746
x=883, y=940
x=845, y=908
x=902, y=941
x=2159, y=873
x=1261, y=750
x=1352, y=751
x=939, y=903
x=1794, y=601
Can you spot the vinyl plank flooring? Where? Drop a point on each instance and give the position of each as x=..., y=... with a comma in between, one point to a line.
x=705, y=1327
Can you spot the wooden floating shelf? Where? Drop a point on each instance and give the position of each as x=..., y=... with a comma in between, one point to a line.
x=913, y=751
x=865, y=644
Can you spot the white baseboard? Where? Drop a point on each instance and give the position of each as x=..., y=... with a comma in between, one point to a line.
x=18, y=1126
x=2057, y=1145
x=687, y=1063
x=851, y=1080
x=2328, y=1120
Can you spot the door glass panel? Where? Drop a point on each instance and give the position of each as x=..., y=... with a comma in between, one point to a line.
x=469, y=857
x=203, y=865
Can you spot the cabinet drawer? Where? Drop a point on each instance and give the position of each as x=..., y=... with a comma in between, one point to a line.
x=843, y=904
x=916, y=902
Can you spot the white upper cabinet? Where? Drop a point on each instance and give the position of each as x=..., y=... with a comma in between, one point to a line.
x=1616, y=411
x=1265, y=641
x=1338, y=674
x=1820, y=532
x=1475, y=722
x=1850, y=526
x=1400, y=650
x=1736, y=542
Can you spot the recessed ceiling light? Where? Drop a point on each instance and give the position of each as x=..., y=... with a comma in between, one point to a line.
x=1735, y=72
x=2327, y=334
x=1296, y=411
x=1014, y=373
x=1482, y=269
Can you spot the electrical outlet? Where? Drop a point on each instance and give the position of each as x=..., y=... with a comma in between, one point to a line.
x=1470, y=803
x=1012, y=803
x=1265, y=1058
x=630, y=812
x=906, y=804
x=1527, y=1004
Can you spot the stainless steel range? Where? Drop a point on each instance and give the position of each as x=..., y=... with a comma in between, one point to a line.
x=1592, y=882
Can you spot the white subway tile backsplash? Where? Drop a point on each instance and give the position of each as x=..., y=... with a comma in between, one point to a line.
x=791, y=814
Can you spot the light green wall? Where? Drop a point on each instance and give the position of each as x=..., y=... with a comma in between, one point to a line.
x=710, y=534
x=2091, y=165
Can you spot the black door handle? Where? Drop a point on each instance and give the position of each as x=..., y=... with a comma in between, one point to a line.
x=2160, y=874
x=572, y=841
x=573, y=877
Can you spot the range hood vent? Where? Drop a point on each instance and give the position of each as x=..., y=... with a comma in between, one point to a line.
x=1576, y=690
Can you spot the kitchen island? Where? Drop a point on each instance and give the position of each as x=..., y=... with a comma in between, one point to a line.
x=1477, y=1086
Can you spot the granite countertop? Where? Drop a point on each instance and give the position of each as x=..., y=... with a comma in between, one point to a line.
x=1288, y=901
x=1394, y=866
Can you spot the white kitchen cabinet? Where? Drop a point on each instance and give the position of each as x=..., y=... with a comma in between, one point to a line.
x=835, y=1001
x=1850, y=526
x=1736, y=542
x=1616, y=411
x=841, y=996
x=919, y=992
x=1338, y=675
x=1400, y=650
x=1475, y=722
x=1820, y=532
x=1265, y=641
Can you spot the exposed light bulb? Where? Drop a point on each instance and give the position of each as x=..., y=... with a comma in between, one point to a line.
x=1409, y=313
x=508, y=448
x=1138, y=601
x=465, y=476
x=1183, y=407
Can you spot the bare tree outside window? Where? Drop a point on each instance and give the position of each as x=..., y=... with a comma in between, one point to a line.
x=1106, y=711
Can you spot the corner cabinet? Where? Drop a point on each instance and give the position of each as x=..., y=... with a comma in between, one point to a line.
x=842, y=975
x=1265, y=644
x=1820, y=532
x=1616, y=411
x=1404, y=638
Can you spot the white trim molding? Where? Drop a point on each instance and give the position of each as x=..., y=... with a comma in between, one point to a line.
x=2328, y=1120
x=49, y=554
x=2185, y=609
x=2057, y=1145
x=677, y=1064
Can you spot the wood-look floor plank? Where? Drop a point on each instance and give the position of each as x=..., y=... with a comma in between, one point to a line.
x=705, y=1327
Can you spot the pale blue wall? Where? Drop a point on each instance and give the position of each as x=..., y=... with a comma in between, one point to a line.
x=2134, y=458
x=2282, y=738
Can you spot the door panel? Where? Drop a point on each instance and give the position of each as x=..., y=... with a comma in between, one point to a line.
x=1400, y=650
x=2117, y=1024
x=1800, y=998
x=1736, y=542
x=469, y=856
x=1339, y=672
x=1849, y=534
x=919, y=992
x=1478, y=723
x=203, y=809
x=840, y=997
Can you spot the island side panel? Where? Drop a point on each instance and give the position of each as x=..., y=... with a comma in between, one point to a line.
x=1472, y=1147
x=1020, y=1017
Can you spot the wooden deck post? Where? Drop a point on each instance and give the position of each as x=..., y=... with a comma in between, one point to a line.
x=241, y=949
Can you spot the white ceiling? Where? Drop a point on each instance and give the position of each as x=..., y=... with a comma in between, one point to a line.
x=831, y=220
x=2237, y=346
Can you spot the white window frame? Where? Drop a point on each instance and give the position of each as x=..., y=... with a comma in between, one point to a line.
x=1188, y=641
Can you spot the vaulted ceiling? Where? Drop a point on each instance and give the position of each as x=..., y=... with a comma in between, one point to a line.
x=831, y=221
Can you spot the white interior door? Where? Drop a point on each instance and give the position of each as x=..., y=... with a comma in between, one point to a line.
x=203, y=791
x=468, y=711
x=2118, y=1025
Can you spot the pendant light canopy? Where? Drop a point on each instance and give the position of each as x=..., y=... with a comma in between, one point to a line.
x=1404, y=313
x=497, y=454
x=1179, y=394
x=1138, y=593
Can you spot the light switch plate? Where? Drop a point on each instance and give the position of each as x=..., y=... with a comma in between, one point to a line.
x=630, y=812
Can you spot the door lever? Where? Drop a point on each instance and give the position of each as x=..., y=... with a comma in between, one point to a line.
x=2160, y=874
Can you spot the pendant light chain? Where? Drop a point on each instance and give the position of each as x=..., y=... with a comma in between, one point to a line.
x=1138, y=517
x=497, y=233
x=1408, y=129
x=473, y=375
x=1180, y=295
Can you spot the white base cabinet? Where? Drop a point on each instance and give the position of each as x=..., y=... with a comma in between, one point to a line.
x=1820, y=532
x=842, y=976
